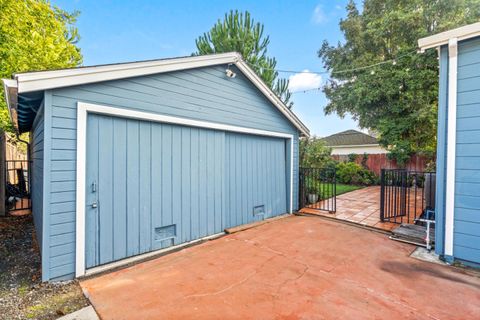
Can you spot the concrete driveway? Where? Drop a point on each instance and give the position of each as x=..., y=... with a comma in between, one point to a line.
x=293, y=268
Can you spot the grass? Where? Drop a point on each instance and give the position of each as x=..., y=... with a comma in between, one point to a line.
x=344, y=188
x=325, y=189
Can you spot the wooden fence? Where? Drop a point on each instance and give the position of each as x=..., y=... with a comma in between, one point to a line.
x=377, y=162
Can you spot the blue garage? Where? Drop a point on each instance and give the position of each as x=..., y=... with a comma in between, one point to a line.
x=129, y=159
x=458, y=144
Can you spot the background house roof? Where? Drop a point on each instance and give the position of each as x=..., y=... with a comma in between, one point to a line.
x=350, y=138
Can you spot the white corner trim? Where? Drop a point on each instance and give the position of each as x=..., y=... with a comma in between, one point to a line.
x=451, y=146
x=80, y=187
x=439, y=39
x=83, y=109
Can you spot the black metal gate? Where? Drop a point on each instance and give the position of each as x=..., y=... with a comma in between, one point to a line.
x=406, y=195
x=17, y=176
x=318, y=189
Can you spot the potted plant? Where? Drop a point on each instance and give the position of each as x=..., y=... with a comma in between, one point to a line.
x=312, y=195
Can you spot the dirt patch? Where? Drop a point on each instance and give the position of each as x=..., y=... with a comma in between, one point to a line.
x=22, y=294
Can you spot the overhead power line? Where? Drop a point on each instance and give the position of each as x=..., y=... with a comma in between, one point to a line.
x=393, y=61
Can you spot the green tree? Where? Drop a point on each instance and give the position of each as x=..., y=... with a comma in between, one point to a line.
x=239, y=32
x=397, y=99
x=314, y=154
x=34, y=36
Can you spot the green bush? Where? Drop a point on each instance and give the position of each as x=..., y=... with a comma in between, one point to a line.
x=352, y=173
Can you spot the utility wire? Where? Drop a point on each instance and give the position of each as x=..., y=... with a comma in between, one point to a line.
x=394, y=60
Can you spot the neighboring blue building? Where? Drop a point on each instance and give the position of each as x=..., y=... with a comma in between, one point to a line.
x=136, y=157
x=458, y=149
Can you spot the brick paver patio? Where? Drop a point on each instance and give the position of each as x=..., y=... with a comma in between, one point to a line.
x=360, y=206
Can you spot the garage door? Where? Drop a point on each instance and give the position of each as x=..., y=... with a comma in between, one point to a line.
x=151, y=185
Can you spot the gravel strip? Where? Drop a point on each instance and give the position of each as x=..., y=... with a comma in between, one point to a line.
x=22, y=294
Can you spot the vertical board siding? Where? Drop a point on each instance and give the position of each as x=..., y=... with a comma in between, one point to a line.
x=200, y=94
x=126, y=161
x=467, y=184
x=256, y=175
x=36, y=152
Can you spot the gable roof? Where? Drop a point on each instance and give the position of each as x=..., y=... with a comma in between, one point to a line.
x=31, y=82
x=350, y=138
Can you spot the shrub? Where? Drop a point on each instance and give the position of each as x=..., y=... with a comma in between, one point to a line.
x=352, y=173
x=314, y=153
x=352, y=157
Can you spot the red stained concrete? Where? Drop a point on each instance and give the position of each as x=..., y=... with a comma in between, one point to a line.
x=292, y=268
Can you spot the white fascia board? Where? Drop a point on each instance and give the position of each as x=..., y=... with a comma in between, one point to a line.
x=44, y=80
x=250, y=74
x=462, y=33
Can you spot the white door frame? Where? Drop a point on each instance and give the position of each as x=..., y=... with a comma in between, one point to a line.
x=83, y=109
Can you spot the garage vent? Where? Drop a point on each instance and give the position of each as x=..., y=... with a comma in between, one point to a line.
x=167, y=232
x=259, y=210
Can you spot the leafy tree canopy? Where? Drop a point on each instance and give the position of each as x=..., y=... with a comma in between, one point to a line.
x=34, y=36
x=239, y=32
x=396, y=99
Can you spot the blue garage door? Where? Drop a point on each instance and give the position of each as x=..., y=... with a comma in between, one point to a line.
x=151, y=185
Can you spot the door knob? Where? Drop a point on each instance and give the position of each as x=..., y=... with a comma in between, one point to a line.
x=94, y=204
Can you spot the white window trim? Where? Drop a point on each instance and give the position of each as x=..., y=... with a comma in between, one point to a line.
x=451, y=146
x=83, y=109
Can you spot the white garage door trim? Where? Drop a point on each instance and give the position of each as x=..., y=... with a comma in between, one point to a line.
x=82, y=111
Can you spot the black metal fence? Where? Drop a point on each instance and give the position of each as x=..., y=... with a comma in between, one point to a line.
x=406, y=195
x=318, y=189
x=17, y=176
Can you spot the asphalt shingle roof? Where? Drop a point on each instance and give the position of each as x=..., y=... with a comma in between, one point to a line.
x=349, y=138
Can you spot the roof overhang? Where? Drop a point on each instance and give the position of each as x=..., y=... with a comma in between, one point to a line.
x=44, y=80
x=440, y=39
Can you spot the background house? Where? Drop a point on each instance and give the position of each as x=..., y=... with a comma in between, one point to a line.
x=355, y=142
x=458, y=144
x=135, y=157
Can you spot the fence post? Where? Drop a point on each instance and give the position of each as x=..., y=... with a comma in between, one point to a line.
x=382, y=194
x=2, y=173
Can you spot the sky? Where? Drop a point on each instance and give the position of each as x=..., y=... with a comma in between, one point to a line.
x=124, y=30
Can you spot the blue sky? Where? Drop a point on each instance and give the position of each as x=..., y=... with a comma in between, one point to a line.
x=125, y=30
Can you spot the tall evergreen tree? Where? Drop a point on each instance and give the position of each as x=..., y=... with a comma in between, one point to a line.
x=239, y=32
x=399, y=99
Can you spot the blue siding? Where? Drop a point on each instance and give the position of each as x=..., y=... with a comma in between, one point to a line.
x=466, y=244
x=256, y=176
x=130, y=162
x=202, y=94
x=467, y=185
x=36, y=173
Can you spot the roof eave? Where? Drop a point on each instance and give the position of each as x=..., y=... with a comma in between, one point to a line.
x=440, y=39
x=10, y=87
x=44, y=80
